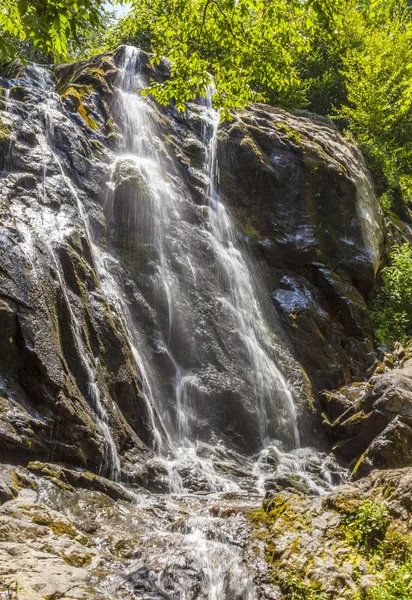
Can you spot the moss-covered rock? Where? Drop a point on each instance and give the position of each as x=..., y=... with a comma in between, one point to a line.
x=349, y=544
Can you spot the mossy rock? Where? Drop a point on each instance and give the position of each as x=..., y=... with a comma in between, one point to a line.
x=77, y=95
x=4, y=133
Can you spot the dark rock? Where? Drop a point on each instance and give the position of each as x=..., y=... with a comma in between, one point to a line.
x=81, y=479
x=287, y=482
x=306, y=209
x=372, y=421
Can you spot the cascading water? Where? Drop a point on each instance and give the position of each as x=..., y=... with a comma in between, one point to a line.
x=201, y=552
x=111, y=463
x=192, y=307
x=241, y=303
x=153, y=211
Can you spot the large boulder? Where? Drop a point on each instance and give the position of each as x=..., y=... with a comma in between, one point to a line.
x=371, y=422
x=306, y=203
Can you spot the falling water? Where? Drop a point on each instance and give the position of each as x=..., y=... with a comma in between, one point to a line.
x=114, y=294
x=44, y=231
x=154, y=213
x=240, y=299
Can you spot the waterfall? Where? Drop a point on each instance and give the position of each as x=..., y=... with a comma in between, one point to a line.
x=46, y=232
x=240, y=298
x=153, y=213
x=220, y=404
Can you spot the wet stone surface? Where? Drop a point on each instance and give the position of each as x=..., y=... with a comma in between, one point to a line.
x=62, y=536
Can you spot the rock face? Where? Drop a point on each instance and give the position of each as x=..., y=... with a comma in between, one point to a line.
x=109, y=326
x=66, y=366
x=371, y=422
x=353, y=543
x=306, y=203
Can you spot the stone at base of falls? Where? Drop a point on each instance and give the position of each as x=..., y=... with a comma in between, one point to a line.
x=72, y=479
x=58, y=541
x=8, y=484
x=43, y=553
x=314, y=546
x=371, y=422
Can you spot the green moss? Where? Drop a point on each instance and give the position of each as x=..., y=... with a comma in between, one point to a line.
x=365, y=541
x=259, y=517
x=290, y=132
x=4, y=132
x=97, y=147
x=248, y=223
x=78, y=94
x=77, y=91
x=77, y=559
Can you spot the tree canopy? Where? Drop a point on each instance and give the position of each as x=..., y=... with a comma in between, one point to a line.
x=48, y=25
x=249, y=47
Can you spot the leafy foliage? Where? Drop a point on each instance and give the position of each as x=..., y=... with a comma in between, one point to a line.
x=248, y=47
x=388, y=551
x=294, y=588
x=396, y=583
x=367, y=526
x=392, y=308
x=48, y=25
x=137, y=27
x=377, y=74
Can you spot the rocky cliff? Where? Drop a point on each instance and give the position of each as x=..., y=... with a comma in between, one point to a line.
x=174, y=293
x=305, y=205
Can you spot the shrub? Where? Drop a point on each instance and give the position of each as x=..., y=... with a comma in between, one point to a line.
x=392, y=307
x=396, y=584
x=367, y=526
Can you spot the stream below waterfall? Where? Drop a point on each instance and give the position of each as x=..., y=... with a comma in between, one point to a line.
x=191, y=536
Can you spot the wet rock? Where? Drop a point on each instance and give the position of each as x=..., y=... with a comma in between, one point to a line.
x=276, y=173
x=70, y=479
x=287, y=482
x=8, y=484
x=54, y=319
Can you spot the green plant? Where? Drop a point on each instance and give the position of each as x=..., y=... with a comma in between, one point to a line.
x=367, y=526
x=396, y=547
x=249, y=48
x=396, y=584
x=377, y=74
x=392, y=306
x=295, y=588
x=48, y=25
